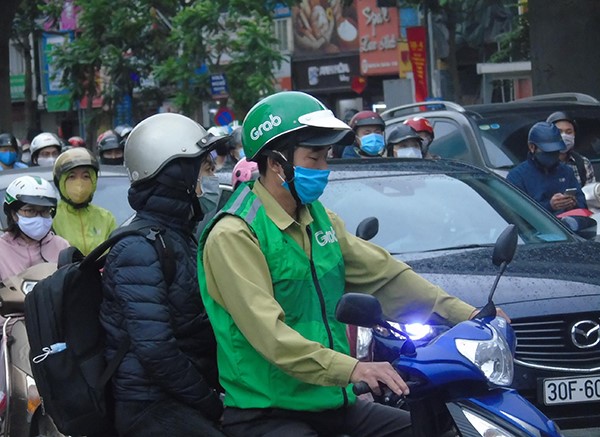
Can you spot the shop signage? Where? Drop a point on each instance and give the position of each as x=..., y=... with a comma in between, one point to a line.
x=324, y=27
x=418, y=59
x=325, y=73
x=378, y=30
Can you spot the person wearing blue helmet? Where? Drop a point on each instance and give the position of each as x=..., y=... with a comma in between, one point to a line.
x=543, y=176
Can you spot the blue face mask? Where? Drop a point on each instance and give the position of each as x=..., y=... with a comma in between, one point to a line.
x=309, y=183
x=372, y=144
x=8, y=158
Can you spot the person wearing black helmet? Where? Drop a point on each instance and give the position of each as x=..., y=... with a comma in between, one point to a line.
x=581, y=166
x=404, y=142
x=110, y=150
x=9, y=152
x=543, y=176
x=370, y=142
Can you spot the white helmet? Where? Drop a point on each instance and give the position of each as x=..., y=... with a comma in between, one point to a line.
x=45, y=139
x=158, y=140
x=30, y=189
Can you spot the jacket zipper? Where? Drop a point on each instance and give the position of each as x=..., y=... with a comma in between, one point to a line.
x=313, y=271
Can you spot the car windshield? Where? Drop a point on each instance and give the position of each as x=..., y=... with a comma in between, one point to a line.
x=111, y=194
x=429, y=212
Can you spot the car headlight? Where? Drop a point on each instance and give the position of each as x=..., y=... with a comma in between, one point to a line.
x=493, y=357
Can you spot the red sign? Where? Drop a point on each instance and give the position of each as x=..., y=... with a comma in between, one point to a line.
x=358, y=84
x=418, y=59
x=378, y=30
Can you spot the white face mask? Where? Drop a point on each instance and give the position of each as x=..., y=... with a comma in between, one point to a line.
x=408, y=152
x=26, y=157
x=569, y=141
x=46, y=161
x=34, y=227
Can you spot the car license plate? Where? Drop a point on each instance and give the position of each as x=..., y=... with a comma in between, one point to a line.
x=571, y=390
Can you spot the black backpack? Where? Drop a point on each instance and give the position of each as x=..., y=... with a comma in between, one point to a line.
x=67, y=340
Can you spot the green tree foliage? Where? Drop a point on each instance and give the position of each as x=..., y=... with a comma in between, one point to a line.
x=515, y=44
x=25, y=25
x=224, y=36
x=172, y=44
x=9, y=8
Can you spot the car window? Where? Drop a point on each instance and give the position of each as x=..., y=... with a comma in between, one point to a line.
x=433, y=212
x=449, y=141
x=509, y=130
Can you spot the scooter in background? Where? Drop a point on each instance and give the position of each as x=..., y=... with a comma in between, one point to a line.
x=21, y=415
x=460, y=380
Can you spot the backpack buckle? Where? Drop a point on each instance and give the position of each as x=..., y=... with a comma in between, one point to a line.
x=152, y=234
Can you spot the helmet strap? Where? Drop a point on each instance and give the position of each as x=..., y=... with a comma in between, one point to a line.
x=288, y=171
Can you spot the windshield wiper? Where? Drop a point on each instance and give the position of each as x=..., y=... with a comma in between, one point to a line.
x=441, y=249
x=460, y=246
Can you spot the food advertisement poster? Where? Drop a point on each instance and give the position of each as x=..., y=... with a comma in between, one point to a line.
x=378, y=30
x=324, y=27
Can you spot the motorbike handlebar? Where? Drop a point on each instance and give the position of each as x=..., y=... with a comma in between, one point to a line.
x=362, y=387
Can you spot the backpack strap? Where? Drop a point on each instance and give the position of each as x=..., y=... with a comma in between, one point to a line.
x=161, y=242
x=155, y=234
x=580, y=167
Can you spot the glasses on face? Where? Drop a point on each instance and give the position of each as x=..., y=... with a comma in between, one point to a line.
x=32, y=212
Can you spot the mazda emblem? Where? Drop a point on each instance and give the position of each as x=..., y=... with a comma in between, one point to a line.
x=585, y=334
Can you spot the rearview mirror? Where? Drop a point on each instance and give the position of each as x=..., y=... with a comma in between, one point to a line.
x=359, y=309
x=506, y=245
x=367, y=228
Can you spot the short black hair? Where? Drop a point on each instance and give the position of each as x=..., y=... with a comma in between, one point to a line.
x=11, y=225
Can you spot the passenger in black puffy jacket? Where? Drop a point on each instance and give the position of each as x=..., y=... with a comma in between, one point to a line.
x=165, y=384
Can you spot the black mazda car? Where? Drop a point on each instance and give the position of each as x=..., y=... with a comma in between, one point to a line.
x=443, y=217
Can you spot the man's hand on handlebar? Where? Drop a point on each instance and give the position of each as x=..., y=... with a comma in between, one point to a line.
x=374, y=373
x=499, y=313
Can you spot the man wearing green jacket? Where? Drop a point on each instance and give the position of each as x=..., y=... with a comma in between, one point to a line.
x=272, y=267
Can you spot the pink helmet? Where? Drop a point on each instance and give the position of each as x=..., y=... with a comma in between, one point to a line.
x=244, y=171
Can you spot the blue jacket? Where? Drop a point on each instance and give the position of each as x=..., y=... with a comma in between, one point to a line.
x=173, y=349
x=541, y=184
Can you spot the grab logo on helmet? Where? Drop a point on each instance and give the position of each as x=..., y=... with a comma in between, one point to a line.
x=257, y=132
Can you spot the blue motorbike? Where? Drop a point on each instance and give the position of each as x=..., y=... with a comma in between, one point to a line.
x=459, y=381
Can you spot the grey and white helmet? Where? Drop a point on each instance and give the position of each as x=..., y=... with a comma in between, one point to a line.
x=158, y=140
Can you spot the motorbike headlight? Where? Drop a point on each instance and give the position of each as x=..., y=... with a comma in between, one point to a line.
x=493, y=357
x=364, y=337
x=419, y=331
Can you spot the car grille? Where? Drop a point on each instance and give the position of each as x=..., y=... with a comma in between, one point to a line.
x=548, y=341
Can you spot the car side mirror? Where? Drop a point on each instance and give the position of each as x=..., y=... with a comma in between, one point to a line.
x=367, y=228
x=359, y=309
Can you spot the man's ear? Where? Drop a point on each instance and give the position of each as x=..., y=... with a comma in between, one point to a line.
x=273, y=165
x=531, y=147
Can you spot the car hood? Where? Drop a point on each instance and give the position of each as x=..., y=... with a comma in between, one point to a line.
x=540, y=279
